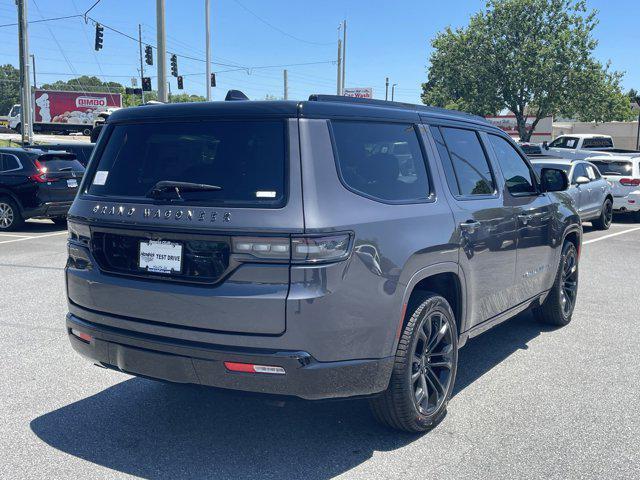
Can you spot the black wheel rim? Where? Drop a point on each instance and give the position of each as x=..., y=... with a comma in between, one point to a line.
x=569, y=283
x=608, y=213
x=432, y=363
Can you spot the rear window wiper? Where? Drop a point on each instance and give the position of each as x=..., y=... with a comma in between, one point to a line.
x=65, y=169
x=169, y=189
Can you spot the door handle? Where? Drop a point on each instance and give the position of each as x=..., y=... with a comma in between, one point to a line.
x=525, y=217
x=470, y=226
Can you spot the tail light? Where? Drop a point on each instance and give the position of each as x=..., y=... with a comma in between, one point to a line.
x=297, y=249
x=630, y=182
x=41, y=176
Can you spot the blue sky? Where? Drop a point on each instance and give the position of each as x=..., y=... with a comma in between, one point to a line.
x=384, y=39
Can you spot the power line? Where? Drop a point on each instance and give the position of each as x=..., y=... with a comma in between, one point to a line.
x=277, y=29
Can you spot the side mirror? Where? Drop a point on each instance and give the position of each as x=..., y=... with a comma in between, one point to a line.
x=545, y=145
x=553, y=180
x=582, y=180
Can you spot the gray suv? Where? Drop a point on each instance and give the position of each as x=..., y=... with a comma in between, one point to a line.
x=321, y=249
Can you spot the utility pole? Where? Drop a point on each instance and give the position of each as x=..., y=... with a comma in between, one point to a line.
x=344, y=53
x=162, y=52
x=207, y=82
x=169, y=90
x=339, y=63
x=286, y=86
x=26, y=125
x=386, y=89
x=141, y=62
x=33, y=65
x=393, y=90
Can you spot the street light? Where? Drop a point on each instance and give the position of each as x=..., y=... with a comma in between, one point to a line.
x=393, y=90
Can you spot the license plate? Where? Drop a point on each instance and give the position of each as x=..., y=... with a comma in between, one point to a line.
x=72, y=183
x=159, y=256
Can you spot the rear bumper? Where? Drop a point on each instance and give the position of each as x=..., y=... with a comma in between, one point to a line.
x=629, y=203
x=49, y=210
x=198, y=363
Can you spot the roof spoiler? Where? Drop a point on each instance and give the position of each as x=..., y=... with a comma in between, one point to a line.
x=233, y=95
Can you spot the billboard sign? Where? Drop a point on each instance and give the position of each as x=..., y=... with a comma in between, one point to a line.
x=77, y=108
x=364, y=92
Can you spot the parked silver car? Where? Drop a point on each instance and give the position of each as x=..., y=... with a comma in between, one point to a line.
x=590, y=191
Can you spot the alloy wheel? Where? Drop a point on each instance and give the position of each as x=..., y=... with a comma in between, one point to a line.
x=432, y=363
x=569, y=282
x=6, y=215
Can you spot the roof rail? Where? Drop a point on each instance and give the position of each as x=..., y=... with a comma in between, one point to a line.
x=388, y=104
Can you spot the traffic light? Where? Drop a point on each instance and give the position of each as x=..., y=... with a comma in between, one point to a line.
x=148, y=55
x=180, y=84
x=174, y=65
x=99, y=36
x=213, y=79
x=146, y=84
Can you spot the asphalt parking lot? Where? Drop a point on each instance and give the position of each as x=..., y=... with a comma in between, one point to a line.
x=530, y=401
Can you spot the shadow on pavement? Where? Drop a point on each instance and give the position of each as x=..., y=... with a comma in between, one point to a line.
x=31, y=227
x=155, y=430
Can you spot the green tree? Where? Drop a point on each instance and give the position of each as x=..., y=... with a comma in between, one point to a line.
x=9, y=88
x=533, y=57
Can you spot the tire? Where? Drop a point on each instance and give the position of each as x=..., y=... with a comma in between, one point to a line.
x=87, y=132
x=10, y=216
x=603, y=222
x=60, y=221
x=414, y=369
x=558, y=307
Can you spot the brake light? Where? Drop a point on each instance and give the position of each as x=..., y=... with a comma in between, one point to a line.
x=630, y=182
x=298, y=249
x=41, y=176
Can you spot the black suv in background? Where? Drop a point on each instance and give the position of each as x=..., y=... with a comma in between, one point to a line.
x=36, y=184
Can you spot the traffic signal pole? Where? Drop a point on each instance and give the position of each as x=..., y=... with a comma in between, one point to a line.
x=141, y=62
x=26, y=113
x=208, y=48
x=162, y=52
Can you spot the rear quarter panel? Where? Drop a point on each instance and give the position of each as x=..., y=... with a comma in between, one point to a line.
x=362, y=304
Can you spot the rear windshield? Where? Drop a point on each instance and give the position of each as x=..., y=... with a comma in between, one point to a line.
x=597, y=142
x=613, y=168
x=60, y=164
x=245, y=158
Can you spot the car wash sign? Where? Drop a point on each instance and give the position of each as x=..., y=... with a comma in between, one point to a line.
x=364, y=92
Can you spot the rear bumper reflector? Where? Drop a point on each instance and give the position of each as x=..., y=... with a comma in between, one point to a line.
x=251, y=368
x=81, y=335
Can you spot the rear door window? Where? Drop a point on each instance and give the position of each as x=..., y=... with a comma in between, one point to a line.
x=468, y=162
x=383, y=161
x=564, y=142
x=246, y=159
x=8, y=163
x=516, y=173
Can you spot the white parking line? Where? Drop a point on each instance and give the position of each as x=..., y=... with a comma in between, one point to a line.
x=608, y=236
x=33, y=237
x=12, y=235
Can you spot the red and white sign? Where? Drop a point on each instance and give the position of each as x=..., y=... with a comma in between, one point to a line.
x=365, y=92
x=78, y=108
x=543, y=131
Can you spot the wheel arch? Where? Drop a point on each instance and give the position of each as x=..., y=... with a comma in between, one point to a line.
x=445, y=279
x=8, y=193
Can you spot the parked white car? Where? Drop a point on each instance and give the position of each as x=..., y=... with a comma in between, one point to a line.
x=583, y=145
x=623, y=173
x=590, y=191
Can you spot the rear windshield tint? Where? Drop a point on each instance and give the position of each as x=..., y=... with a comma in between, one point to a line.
x=245, y=158
x=613, y=168
x=60, y=164
x=558, y=166
x=597, y=142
